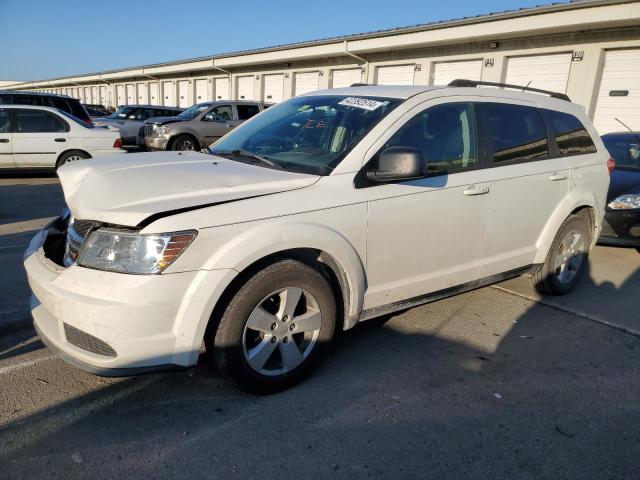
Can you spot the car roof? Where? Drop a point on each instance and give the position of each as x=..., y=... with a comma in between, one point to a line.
x=388, y=91
x=621, y=134
x=39, y=94
x=153, y=106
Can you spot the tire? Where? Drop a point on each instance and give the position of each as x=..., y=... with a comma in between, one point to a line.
x=638, y=249
x=185, y=143
x=262, y=359
x=561, y=272
x=71, y=156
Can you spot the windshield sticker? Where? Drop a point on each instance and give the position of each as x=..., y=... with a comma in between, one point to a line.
x=364, y=103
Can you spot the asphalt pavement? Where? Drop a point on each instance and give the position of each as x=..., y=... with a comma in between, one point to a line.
x=495, y=383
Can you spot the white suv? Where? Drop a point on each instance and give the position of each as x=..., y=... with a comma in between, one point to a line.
x=321, y=212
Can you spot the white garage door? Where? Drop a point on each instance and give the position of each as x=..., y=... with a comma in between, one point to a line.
x=548, y=72
x=273, y=88
x=222, y=89
x=87, y=94
x=122, y=100
x=167, y=94
x=104, y=98
x=153, y=94
x=131, y=93
x=346, y=78
x=201, y=90
x=396, y=75
x=142, y=94
x=445, y=72
x=94, y=95
x=245, y=88
x=306, y=82
x=619, y=95
x=183, y=94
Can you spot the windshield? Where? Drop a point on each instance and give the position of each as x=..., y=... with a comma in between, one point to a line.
x=122, y=112
x=306, y=134
x=193, y=111
x=625, y=149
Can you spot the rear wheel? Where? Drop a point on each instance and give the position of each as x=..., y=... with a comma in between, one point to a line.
x=185, y=142
x=275, y=328
x=71, y=157
x=567, y=258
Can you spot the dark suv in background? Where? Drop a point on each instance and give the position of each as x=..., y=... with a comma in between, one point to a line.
x=61, y=102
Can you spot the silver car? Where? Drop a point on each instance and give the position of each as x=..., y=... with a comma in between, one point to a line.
x=198, y=126
x=129, y=119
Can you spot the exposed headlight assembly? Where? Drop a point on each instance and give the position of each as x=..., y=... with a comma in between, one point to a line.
x=625, y=202
x=130, y=252
x=160, y=130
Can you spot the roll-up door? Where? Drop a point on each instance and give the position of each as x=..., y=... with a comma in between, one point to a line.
x=120, y=96
x=245, y=88
x=168, y=99
x=222, y=89
x=445, y=72
x=103, y=96
x=94, y=95
x=87, y=95
x=548, y=72
x=183, y=94
x=131, y=93
x=346, y=77
x=396, y=75
x=201, y=90
x=619, y=94
x=153, y=94
x=306, y=82
x=273, y=88
x=142, y=94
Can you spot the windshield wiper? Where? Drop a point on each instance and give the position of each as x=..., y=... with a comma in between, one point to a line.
x=247, y=154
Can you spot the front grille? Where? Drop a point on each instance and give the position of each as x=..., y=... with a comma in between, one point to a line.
x=148, y=130
x=87, y=342
x=76, y=235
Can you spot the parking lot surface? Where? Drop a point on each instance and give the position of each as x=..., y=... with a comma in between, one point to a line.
x=495, y=383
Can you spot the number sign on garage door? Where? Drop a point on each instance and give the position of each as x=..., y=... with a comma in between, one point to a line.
x=167, y=94
x=346, y=78
x=245, y=88
x=183, y=94
x=396, y=75
x=201, y=90
x=222, y=88
x=548, y=72
x=619, y=94
x=306, y=82
x=445, y=72
x=273, y=88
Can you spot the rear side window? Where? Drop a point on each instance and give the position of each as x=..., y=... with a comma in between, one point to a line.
x=60, y=103
x=571, y=136
x=245, y=112
x=516, y=133
x=5, y=99
x=28, y=100
x=4, y=120
x=38, y=121
x=78, y=110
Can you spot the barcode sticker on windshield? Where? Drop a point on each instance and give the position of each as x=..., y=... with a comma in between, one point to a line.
x=364, y=103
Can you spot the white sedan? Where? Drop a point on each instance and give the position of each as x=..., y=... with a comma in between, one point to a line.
x=43, y=137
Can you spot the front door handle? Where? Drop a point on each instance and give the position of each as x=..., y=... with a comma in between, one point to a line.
x=4, y=140
x=475, y=190
x=557, y=176
x=60, y=140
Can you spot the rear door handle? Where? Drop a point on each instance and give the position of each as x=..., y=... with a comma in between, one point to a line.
x=60, y=139
x=4, y=140
x=475, y=190
x=557, y=176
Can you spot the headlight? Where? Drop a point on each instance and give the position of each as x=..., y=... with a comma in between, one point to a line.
x=160, y=130
x=130, y=252
x=625, y=202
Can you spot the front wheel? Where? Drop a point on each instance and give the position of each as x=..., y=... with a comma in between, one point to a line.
x=567, y=258
x=275, y=328
x=185, y=143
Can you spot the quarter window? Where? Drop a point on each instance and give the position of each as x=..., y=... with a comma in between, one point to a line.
x=37, y=121
x=571, y=136
x=445, y=134
x=516, y=133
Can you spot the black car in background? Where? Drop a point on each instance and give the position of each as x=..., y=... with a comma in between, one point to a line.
x=61, y=102
x=96, y=110
x=621, y=226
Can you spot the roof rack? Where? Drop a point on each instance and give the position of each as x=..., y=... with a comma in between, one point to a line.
x=459, y=82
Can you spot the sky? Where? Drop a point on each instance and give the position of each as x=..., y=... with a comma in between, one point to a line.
x=52, y=38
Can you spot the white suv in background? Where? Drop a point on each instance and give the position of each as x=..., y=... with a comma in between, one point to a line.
x=321, y=212
x=44, y=137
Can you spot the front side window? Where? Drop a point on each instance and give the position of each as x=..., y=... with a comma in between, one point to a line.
x=305, y=134
x=516, y=133
x=445, y=134
x=571, y=136
x=38, y=121
x=222, y=113
x=245, y=112
x=4, y=120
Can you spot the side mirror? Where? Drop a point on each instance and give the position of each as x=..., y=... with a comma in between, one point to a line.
x=398, y=163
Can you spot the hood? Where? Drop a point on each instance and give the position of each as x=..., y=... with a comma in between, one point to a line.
x=163, y=120
x=126, y=189
x=109, y=122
